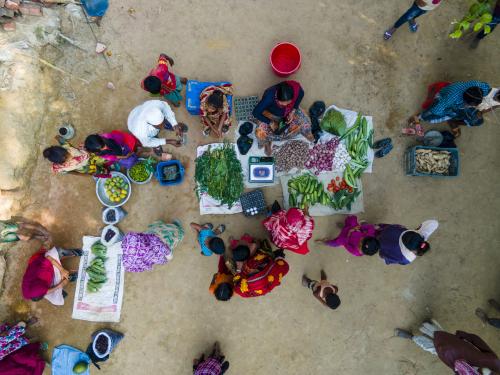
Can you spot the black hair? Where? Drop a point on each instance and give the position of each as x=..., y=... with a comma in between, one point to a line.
x=332, y=301
x=370, y=246
x=56, y=154
x=284, y=92
x=241, y=253
x=473, y=96
x=216, y=245
x=152, y=84
x=216, y=99
x=94, y=143
x=223, y=292
x=415, y=242
x=36, y=299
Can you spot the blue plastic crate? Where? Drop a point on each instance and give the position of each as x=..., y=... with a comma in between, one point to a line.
x=411, y=165
x=159, y=173
x=193, y=91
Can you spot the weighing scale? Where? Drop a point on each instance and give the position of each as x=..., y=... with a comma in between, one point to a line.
x=261, y=169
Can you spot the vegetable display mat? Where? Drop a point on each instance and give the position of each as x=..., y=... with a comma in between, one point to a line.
x=209, y=205
x=106, y=304
x=318, y=209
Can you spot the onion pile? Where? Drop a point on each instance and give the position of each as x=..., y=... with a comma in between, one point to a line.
x=321, y=156
x=293, y=154
x=341, y=158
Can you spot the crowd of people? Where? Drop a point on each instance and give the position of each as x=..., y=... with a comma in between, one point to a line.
x=247, y=267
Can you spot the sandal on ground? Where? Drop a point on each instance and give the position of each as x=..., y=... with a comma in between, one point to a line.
x=381, y=143
x=419, y=130
x=413, y=26
x=408, y=131
x=481, y=314
x=208, y=226
x=206, y=132
x=220, y=229
x=384, y=151
x=73, y=277
x=387, y=35
x=225, y=129
x=398, y=332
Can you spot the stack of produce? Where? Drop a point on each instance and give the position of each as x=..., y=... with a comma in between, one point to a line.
x=116, y=189
x=321, y=156
x=358, y=140
x=141, y=170
x=306, y=190
x=342, y=185
x=333, y=122
x=293, y=154
x=432, y=161
x=218, y=173
x=96, y=269
x=341, y=158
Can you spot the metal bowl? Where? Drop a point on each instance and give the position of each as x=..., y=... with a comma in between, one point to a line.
x=140, y=182
x=101, y=192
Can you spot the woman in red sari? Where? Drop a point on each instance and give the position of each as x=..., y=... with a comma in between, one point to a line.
x=290, y=230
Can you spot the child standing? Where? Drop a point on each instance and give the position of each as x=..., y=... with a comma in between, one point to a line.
x=208, y=240
x=323, y=290
x=161, y=81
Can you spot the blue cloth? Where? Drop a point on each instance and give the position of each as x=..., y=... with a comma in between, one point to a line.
x=390, y=251
x=65, y=357
x=409, y=15
x=449, y=103
x=193, y=91
x=268, y=103
x=202, y=236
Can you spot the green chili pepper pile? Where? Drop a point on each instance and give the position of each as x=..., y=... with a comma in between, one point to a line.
x=218, y=173
x=141, y=171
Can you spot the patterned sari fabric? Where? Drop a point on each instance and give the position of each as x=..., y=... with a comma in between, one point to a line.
x=208, y=118
x=290, y=230
x=13, y=340
x=260, y=275
x=82, y=162
x=300, y=124
x=24, y=361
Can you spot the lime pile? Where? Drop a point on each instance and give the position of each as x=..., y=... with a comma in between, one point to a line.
x=116, y=189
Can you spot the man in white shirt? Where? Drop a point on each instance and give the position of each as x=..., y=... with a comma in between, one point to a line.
x=146, y=120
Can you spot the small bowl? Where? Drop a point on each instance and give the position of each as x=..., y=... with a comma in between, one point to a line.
x=140, y=182
x=101, y=191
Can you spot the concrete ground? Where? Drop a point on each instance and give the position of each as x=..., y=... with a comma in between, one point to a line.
x=168, y=315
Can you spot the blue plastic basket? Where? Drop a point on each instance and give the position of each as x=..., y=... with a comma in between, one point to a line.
x=193, y=91
x=411, y=164
x=160, y=177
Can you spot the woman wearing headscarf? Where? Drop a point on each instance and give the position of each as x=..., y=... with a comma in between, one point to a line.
x=141, y=251
x=115, y=147
x=215, y=113
x=290, y=230
x=279, y=115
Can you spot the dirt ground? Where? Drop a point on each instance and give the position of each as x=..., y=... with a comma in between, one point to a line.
x=168, y=315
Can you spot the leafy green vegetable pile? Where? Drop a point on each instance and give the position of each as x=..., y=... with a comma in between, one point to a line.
x=333, y=122
x=219, y=174
x=96, y=270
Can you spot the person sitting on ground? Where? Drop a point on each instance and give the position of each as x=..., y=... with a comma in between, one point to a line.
x=71, y=160
x=21, y=229
x=279, y=116
x=485, y=318
x=13, y=338
x=324, y=291
x=456, y=103
x=45, y=277
x=222, y=282
x=240, y=251
x=215, y=364
x=214, y=110
x=419, y=8
x=398, y=245
x=161, y=81
x=146, y=120
x=464, y=353
x=290, y=230
x=208, y=240
x=358, y=239
x=141, y=251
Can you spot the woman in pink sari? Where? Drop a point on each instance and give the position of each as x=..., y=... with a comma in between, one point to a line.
x=115, y=147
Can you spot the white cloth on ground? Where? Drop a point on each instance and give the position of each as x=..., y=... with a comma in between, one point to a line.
x=144, y=131
x=55, y=297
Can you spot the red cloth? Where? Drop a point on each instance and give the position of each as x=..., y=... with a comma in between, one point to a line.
x=24, y=361
x=123, y=139
x=432, y=91
x=290, y=230
x=167, y=78
x=38, y=277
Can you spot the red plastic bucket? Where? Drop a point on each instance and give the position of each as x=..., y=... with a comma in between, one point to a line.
x=285, y=59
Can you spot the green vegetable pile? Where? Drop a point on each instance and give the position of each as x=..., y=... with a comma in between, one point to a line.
x=333, y=122
x=218, y=173
x=306, y=190
x=358, y=141
x=96, y=270
x=141, y=171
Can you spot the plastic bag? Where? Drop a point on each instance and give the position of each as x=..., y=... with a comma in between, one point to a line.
x=245, y=128
x=110, y=339
x=244, y=144
x=113, y=215
x=107, y=238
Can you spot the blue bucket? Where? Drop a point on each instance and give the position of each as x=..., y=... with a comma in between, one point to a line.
x=161, y=178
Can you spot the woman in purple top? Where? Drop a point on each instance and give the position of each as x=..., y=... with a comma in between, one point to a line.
x=357, y=238
x=398, y=245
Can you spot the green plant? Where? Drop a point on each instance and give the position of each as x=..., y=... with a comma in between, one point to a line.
x=479, y=15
